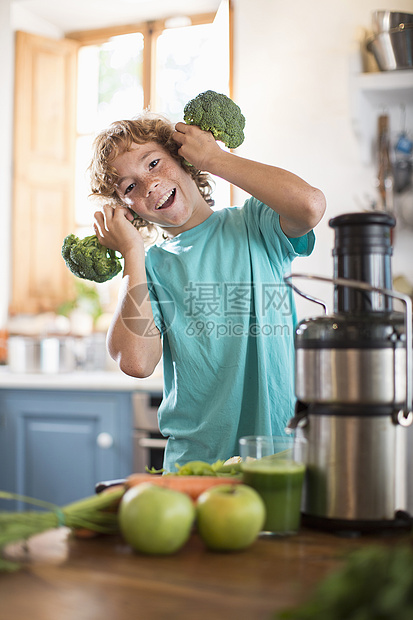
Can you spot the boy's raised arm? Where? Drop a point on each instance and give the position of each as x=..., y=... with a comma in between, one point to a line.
x=299, y=205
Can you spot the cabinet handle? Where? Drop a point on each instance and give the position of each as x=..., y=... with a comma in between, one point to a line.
x=104, y=440
x=148, y=442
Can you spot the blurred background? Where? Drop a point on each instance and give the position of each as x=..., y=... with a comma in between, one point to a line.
x=301, y=73
x=312, y=95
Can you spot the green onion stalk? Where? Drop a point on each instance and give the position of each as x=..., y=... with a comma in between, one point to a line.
x=96, y=513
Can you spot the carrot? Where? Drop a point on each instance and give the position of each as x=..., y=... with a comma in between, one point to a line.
x=83, y=532
x=191, y=485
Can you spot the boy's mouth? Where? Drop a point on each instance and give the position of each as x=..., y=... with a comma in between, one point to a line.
x=166, y=200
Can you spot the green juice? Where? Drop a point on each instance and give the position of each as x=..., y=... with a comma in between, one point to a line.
x=279, y=483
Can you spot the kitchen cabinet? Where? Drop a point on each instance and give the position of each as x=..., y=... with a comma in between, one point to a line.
x=375, y=93
x=55, y=444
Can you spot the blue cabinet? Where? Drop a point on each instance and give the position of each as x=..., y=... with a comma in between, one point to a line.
x=56, y=445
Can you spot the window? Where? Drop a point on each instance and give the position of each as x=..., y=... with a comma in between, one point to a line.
x=110, y=87
x=162, y=64
x=190, y=60
x=162, y=67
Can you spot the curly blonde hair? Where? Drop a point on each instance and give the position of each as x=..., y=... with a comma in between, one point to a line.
x=118, y=138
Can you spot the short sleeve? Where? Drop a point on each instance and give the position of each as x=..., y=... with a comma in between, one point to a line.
x=267, y=224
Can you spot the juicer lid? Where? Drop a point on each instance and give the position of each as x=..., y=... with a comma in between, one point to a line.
x=365, y=217
x=360, y=235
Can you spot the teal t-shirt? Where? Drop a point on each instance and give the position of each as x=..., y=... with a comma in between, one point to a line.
x=227, y=321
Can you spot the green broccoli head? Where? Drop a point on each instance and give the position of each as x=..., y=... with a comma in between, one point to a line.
x=90, y=260
x=217, y=113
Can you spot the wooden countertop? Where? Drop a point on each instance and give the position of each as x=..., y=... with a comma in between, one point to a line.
x=103, y=579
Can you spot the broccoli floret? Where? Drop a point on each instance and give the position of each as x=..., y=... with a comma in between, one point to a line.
x=90, y=260
x=217, y=113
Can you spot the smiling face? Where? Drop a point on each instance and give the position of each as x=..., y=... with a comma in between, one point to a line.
x=154, y=185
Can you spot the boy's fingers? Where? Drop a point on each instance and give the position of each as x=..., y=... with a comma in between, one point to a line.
x=97, y=229
x=123, y=211
x=98, y=217
x=178, y=137
x=181, y=127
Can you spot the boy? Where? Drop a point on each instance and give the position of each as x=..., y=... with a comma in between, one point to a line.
x=217, y=310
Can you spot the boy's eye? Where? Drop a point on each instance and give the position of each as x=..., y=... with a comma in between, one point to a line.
x=153, y=164
x=129, y=188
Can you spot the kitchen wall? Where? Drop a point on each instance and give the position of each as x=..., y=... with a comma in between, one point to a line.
x=293, y=67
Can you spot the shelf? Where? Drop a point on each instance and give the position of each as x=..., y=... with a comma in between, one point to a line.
x=377, y=93
x=386, y=80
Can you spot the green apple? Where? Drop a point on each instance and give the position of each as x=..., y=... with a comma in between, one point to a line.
x=155, y=520
x=229, y=517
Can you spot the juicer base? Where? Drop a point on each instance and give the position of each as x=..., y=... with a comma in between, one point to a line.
x=402, y=523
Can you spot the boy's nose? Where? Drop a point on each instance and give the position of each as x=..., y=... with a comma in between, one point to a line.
x=151, y=186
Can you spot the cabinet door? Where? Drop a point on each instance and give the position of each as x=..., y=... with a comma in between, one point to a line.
x=44, y=156
x=58, y=445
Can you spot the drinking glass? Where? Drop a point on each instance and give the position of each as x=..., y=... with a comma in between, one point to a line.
x=274, y=467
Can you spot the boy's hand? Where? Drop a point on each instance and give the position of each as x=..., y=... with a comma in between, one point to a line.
x=198, y=147
x=114, y=230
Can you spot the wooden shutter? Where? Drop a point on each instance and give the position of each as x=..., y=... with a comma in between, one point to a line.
x=44, y=155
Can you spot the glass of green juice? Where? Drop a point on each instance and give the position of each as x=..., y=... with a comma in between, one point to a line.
x=274, y=467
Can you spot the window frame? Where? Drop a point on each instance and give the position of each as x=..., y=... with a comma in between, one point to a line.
x=151, y=30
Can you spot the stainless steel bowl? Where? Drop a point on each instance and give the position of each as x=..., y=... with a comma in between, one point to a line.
x=383, y=21
x=393, y=50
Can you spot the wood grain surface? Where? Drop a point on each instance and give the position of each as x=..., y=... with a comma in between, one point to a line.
x=103, y=579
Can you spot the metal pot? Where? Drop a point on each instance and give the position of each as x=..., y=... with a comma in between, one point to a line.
x=393, y=50
x=31, y=354
x=383, y=21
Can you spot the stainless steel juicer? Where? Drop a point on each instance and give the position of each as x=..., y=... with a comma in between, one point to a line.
x=354, y=387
